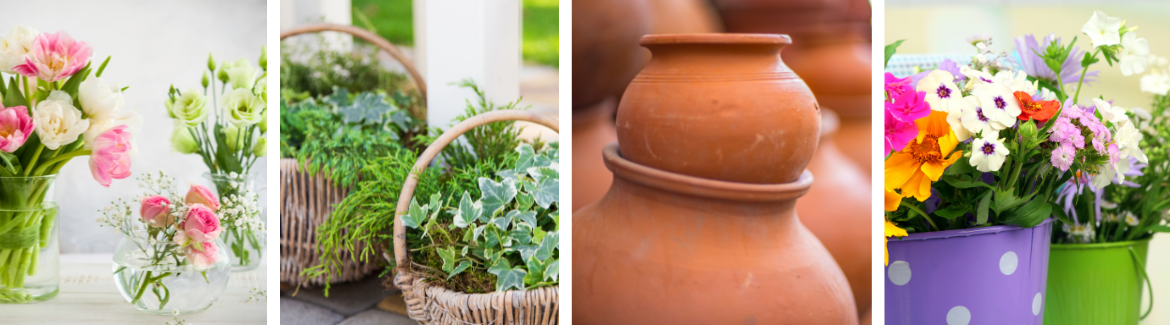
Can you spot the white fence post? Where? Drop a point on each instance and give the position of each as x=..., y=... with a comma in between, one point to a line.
x=479, y=40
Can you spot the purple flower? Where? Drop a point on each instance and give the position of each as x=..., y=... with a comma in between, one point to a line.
x=1063, y=130
x=952, y=67
x=1068, y=192
x=1062, y=156
x=1070, y=70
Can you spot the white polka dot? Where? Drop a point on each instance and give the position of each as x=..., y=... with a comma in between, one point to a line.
x=1008, y=263
x=899, y=272
x=1036, y=302
x=959, y=316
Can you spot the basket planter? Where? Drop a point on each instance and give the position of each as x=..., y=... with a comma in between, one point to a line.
x=431, y=303
x=990, y=275
x=1096, y=283
x=306, y=201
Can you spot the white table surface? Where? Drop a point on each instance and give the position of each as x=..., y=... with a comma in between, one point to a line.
x=88, y=295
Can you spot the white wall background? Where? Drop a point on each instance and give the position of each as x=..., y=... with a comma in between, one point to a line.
x=154, y=44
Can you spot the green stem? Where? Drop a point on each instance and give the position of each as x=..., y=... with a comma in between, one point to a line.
x=1084, y=71
x=36, y=155
x=60, y=158
x=924, y=215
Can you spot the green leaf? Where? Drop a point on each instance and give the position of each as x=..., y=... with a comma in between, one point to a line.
x=536, y=269
x=1059, y=213
x=522, y=233
x=1005, y=200
x=1158, y=228
x=547, y=192
x=503, y=222
x=507, y=277
x=957, y=183
x=526, y=217
x=496, y=195
x=538, y=235
x=553, y=270
x=550, y=243
x=890, y=50
x=953, y=211
x=527, y=157
x=463, y=265
x=339, y=98
x=102, y=67
x=415, y=215
x=981, y=214
x=14, y=97
x=468, y=211
x=10, y=163
x=1031, y=214
x=70, y=86
x=524, y=201
x=367, y=108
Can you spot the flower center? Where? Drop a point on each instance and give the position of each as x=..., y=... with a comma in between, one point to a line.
x=1000, y=103
x=979, y=112
x=985, y=80
x=943, y=92
x=927, y=150
x=988, y=149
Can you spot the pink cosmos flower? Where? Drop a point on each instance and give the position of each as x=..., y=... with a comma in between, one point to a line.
x=201, y=195
x=909, y=106
x=201, y=224
x=15, y=127
x=156, y=211
x=1062, y=156
x=898, y=133
x=202, y=259
x=54, y=57
x=110, y=158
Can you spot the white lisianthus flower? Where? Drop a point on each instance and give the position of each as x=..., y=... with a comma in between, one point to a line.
x=1128, y=138
x=1156, y=83
x=99, y=100
x=242, y=107
x=1109, y=112
x=999, y=103
x=57, y=122
x=190, y=107
x=1102, y=29
x=1017, y=81
x=261, y=89
x=15, y=45
x=988, y=153
x=1133, y=54
x=241, y=74
x=940, y=89
x=132, y=121
x=182, y=140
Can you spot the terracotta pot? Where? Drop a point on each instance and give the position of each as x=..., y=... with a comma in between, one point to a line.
x=840, y=206
x=684, y=17
x=721, y=107
x=667, y=248
x=593, y=128
x=605, y=51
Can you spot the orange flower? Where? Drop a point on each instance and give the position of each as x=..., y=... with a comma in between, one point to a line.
x=1041, y=110
x=893, y=200
x=892, y=230
x=924, y=159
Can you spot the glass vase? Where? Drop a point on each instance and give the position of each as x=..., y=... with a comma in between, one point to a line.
x=158, y=282
x=246, y=245
x=29, y=254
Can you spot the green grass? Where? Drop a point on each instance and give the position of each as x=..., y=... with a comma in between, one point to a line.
x=392, y=19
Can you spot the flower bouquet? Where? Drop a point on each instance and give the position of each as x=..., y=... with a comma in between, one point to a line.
x=51, y=111
x=229, y=135
x=171, y=260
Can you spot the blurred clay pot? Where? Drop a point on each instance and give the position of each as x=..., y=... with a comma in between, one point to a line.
x=839, y=205
x=593, y=128
x=684, y=17
x=669, y=248
x=605, y=47
x=721, y=107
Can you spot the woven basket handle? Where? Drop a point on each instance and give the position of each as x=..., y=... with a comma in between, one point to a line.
x=400, y=253
x=368, y=36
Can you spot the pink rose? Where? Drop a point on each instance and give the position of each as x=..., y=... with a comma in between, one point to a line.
x=156, y=211
x=15, y=127
x=110, y=156
x=201, y=224
x=54, y=57
x=202, y=259
x=201, y=195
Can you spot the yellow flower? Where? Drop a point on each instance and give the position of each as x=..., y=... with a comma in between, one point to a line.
x=924, y=159
x=892, y=230
x=893, y=200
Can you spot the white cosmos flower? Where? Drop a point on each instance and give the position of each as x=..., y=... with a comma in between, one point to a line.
x=1017, y=81
x=1156, y=83
x=57, y=122
x=976, y=121
x=1133, y=54
x=999, y=103
x=1109, y=112
x=940, y=89
x=1102, y=29
x=988, y=153
x=955, y=115
x=1128, y=138
x=14, y=46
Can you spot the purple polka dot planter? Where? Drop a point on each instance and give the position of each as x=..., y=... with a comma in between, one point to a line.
x=990, y=275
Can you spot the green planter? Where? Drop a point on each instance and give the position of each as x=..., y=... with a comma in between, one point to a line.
x=1096, y=283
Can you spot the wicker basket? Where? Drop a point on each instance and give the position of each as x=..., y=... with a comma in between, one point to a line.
x=430, y=303
x=307, y=201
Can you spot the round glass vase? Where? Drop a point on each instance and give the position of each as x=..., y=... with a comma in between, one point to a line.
x=157, y=282
x=246, y=246
x=29, y=252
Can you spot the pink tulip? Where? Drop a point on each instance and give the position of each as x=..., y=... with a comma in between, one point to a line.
x=156, y=211
x=202, y=259
x=201, y=195
x=54, y=57
x=110, y=158
x=201, y=224
x=15, y=127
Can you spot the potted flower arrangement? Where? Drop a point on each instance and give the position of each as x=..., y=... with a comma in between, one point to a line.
x=172, y=260
x=977, y=156
x=1099, y=252
x=52, y=110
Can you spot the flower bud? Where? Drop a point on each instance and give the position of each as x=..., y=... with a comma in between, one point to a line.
x=264, y=58
x=210, y=62
x=205, y=80
x=223, y=75
x=182, y=141
x=260, y=148
x=235, y=137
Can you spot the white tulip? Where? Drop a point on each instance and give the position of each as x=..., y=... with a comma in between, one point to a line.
x=100, y=100
x=58, y=123
x=14, y=46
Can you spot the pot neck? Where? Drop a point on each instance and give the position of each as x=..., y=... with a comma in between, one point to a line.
x=749, y=56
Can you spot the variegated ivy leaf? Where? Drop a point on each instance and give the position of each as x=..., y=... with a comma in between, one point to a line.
x=469, y=236
x=497, y=238
x=522, y=233
x=465, y=249
x=416, y=215
x=547, y=192
x=448, y=256
x=550, y=242
x=463, y=265
x=553, y=270
x=496, y=195
x=526, y=158
x=468, y=211
x=528, y=217
x=556, y=216
x=524, y=201
x=535, y=270
x=541, y=161
x=539, y=173
x=507, y=277
x=527, y=251
x=538, y=235
x=503, y=221
x=434, y=215
x=479, y=232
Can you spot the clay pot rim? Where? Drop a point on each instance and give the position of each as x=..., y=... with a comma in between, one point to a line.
x=716, y=38
x=966, y=232
x=703, y=187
